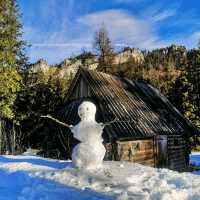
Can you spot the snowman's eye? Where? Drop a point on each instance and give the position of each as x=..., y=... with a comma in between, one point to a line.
x=86, y=108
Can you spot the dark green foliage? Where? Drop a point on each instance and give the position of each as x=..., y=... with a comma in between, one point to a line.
x=43, y=93
x=11, y=44
x=166, y=57
x=185, y=94
x=12, y=59
x=194, y=78
x=10, y=84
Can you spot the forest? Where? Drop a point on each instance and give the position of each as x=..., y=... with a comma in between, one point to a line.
x=25, y=95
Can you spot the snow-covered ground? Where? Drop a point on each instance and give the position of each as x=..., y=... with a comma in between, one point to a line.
x=195, y=160
x=34, y=178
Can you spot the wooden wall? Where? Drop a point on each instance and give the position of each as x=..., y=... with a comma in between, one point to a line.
x=81, y=90
x=163, y=152
x=176, y=150
x=138, y=151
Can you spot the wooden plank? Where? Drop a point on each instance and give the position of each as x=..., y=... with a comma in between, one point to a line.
x=176, y=147
x=139, y=153
x=140, y=158
x=147, y=162
x=176, y=152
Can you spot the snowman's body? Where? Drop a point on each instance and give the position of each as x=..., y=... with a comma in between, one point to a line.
x=89, y=153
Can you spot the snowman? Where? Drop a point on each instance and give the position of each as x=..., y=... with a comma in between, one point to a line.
x=89, y=153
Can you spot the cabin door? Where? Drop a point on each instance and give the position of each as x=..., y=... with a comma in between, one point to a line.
x=161, y=149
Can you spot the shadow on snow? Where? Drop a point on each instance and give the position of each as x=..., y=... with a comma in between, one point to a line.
x=22, y=185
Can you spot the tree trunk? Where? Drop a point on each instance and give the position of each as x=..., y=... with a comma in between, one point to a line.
x=13, y=147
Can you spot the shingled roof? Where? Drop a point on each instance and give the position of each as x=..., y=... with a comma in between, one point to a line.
x=147, y=112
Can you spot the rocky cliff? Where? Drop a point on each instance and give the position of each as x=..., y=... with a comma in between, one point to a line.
x=70, y=66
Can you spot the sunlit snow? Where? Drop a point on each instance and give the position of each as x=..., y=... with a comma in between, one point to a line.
x=34, y=178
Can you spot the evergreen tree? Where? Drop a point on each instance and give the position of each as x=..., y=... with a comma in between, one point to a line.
x=181, y=96
x=11, y=56
x=12, y=59
x=45, y=91
x=9, y=86
x=11, y=44
x=194, y=78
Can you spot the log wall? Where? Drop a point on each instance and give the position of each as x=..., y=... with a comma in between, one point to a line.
x=150, y=152
x=138, y=151
x=176, y=150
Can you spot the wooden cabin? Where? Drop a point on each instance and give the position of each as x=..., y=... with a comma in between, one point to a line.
x=153, y=132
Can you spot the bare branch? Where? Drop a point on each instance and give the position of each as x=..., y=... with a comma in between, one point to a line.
x=56, y=120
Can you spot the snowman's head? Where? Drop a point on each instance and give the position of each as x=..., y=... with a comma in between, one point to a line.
x=87, y=111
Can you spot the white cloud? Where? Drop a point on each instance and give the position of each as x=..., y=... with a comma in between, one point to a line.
x=61, y=45
x=54, y=54
x=123, y=28
x=163, y=15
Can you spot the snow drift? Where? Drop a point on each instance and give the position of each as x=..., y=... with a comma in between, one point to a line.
x=34, y=178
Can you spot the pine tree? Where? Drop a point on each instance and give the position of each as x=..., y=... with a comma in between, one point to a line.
x=11, y=44
x=43, y=94
x=12, y=56
x=12, y=59
x=194, y=78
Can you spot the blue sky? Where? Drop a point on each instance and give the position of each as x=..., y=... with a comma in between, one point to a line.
x=58, y=29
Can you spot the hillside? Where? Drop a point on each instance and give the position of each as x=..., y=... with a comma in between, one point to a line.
x=71, y=65
x=129, y=62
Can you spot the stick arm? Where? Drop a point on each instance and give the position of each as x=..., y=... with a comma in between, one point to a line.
x=56, y=120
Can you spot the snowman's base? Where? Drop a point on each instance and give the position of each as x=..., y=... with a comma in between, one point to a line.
x=87, y=156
